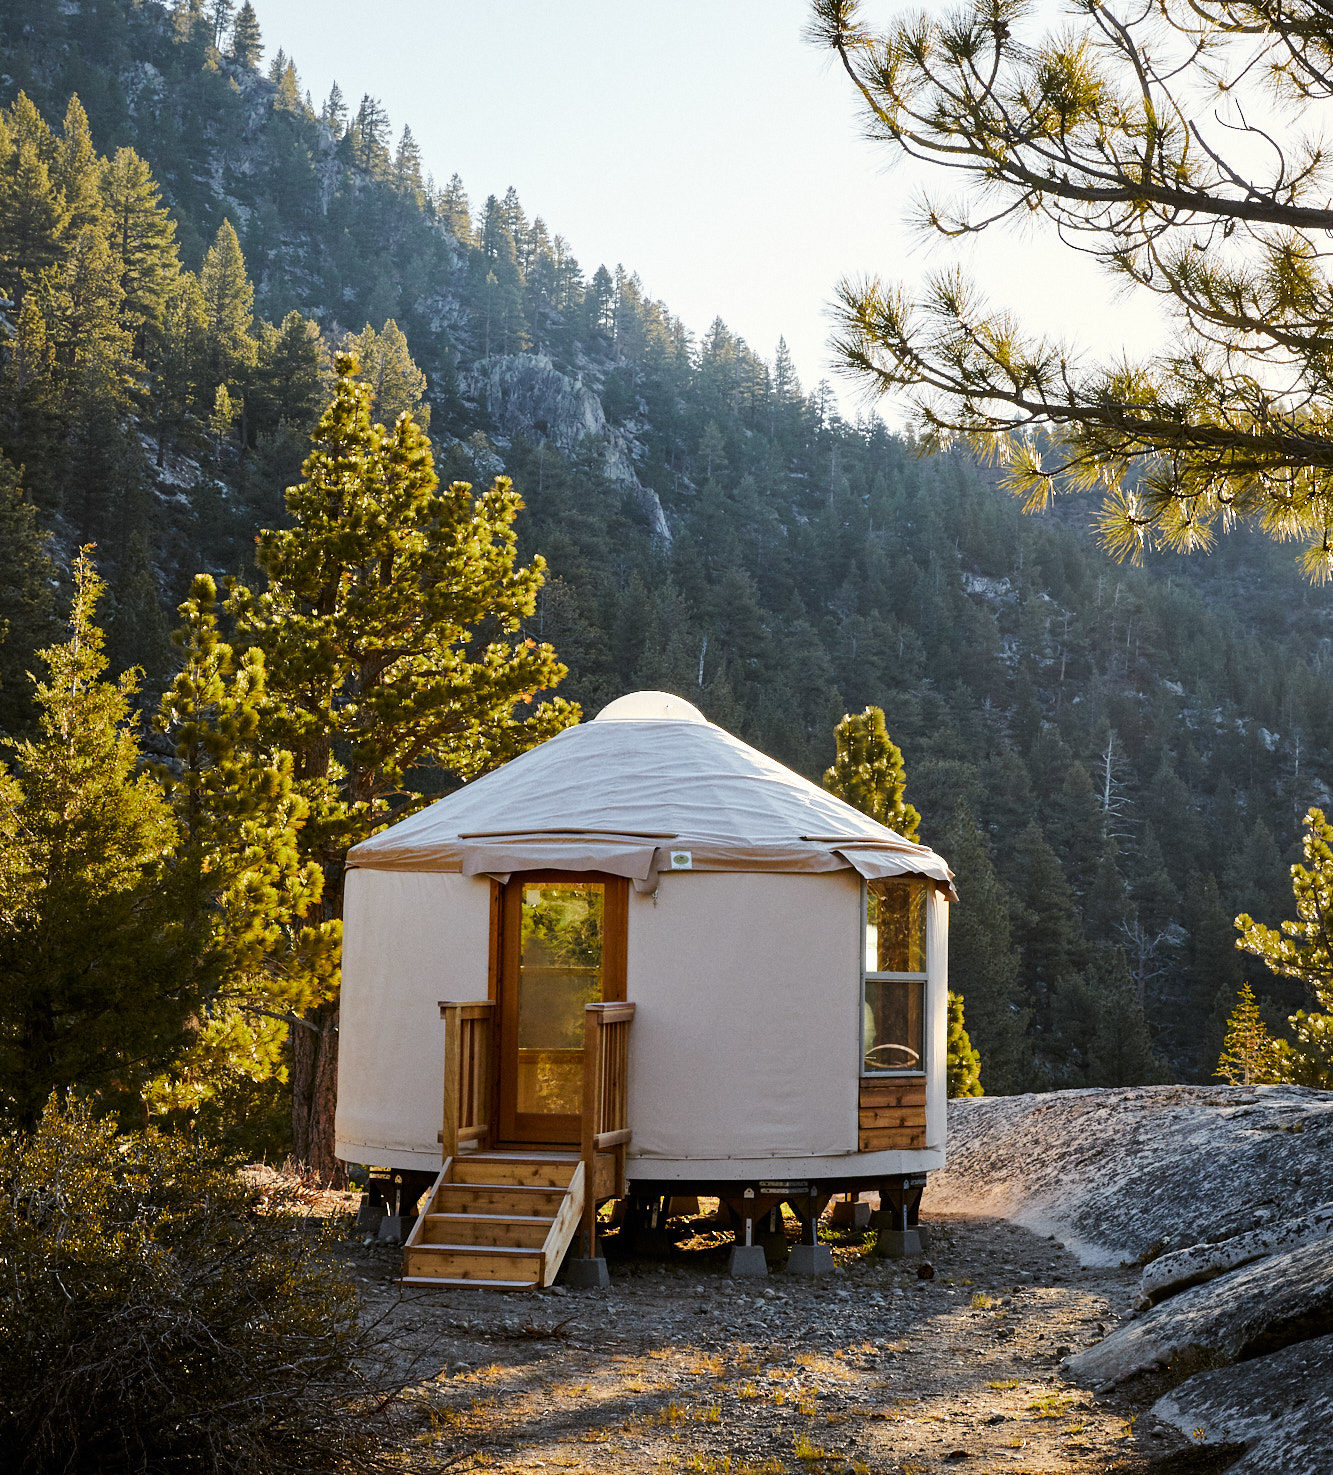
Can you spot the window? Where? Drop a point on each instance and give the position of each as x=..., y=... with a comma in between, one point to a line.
x=894, y=992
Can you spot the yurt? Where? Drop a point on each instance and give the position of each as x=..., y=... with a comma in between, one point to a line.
x=641, y=960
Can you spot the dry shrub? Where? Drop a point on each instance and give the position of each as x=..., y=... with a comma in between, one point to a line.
x=153, y=1319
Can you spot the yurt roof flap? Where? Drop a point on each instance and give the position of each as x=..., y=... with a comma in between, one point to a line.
x=649, y=785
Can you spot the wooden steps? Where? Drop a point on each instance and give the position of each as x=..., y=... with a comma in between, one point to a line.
x=499, y=1220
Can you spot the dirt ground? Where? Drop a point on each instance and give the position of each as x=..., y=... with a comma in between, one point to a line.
x=869, y=1368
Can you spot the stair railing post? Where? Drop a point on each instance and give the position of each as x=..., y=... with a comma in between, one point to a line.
x=453, y=1041
x=592, y=1124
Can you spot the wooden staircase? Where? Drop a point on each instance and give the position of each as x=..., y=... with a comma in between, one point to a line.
x=503, y=1220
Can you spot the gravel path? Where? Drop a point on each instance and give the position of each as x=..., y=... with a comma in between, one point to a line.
x=868, y=1369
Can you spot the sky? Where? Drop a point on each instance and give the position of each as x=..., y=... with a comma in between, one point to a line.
x=701, y=143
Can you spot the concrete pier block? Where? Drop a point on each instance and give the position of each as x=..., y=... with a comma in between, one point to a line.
x=394, y=1228
x=747, y=1261
x=369, y=1216
x=686, y=1207
x=850, y=1216
x=898, y=1244
x=810, y=1260
x=587, y=1275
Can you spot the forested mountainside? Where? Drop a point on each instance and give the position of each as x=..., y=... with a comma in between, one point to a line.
x=1114, y=760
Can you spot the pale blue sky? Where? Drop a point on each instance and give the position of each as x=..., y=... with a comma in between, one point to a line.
x=701, y=143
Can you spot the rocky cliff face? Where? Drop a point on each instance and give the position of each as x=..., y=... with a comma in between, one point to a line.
x=525, y=394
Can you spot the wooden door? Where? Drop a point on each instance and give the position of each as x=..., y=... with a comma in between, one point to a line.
x=562, y=947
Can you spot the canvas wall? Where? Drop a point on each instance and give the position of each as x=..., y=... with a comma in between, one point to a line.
x=745, y=1044
x=412, y=938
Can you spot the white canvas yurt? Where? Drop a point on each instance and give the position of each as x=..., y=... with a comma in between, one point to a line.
x=640, y=960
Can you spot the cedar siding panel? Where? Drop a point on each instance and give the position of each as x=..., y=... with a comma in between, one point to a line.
x=892, y=1114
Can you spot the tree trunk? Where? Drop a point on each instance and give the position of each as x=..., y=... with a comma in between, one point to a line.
x=314, y=1078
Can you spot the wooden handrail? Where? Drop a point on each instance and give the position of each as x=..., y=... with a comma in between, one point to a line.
x=469, y=1033
x=605, y=1101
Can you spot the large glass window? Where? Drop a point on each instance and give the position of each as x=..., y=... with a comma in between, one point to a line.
x=893, y=1001
x=559, y=973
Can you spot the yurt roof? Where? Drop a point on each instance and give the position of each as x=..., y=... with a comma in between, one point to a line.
x=648, y=785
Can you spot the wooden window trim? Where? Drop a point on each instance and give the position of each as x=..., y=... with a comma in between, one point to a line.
x=506, y=899
x=869, y=975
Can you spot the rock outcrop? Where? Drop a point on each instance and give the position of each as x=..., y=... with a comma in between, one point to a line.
x=524, y=393
x=1280, y=1407
x=1259, y=1308
x=1180, y=1269
x=1127, y=1174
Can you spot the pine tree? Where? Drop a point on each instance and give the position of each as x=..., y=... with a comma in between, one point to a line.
x=138, y=634
x=240, y=818
x=369, y=135
x=287, y=98
x=1302, y=949
x=397, y=386
x=1248, y=1055
x=101, y=963
x=455, y=209
x=407, y=167
x=963, y=1062
x=289, y=383
x=228, y=301
x=247, y=46
x=1113, y=1033
x=334, y=112
x=75, y=172
x=220, y=14
x=142, y=238
x=180, y=367
x=1047, y=933
x=982, y=959
x=27, y=612
x=868, y=772
x=368, y=657
x=1212, y=967
x=33, y=213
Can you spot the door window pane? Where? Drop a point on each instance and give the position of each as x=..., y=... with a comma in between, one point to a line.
x=896, y=926
x=560, y=971
x=894, y=1032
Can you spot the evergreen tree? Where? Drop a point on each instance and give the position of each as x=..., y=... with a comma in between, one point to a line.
x=369, y=136
x=33, y=215
x=27, y=612
x=1303, y=949
x=982, y=959
x=287, y=98
x=1248, y=1055
x=397, y=386
x=289, y=384
x=247, y=45
x=1047, y=933
x=180, y=368
x=455, y=210
x=1114, y=1036
x=75, y=172
x=372, y=601
x=142, y=237
x=868, y=772
x=334, y=112
x=220, y=13
x=962, y=1061
x=101, y=963
x=407, y=167
x=228, y=302
x=1212, y=966
x=240, y=819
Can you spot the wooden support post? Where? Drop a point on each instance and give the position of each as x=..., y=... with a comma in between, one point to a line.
x=453, y=1039
x=591, y=1122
